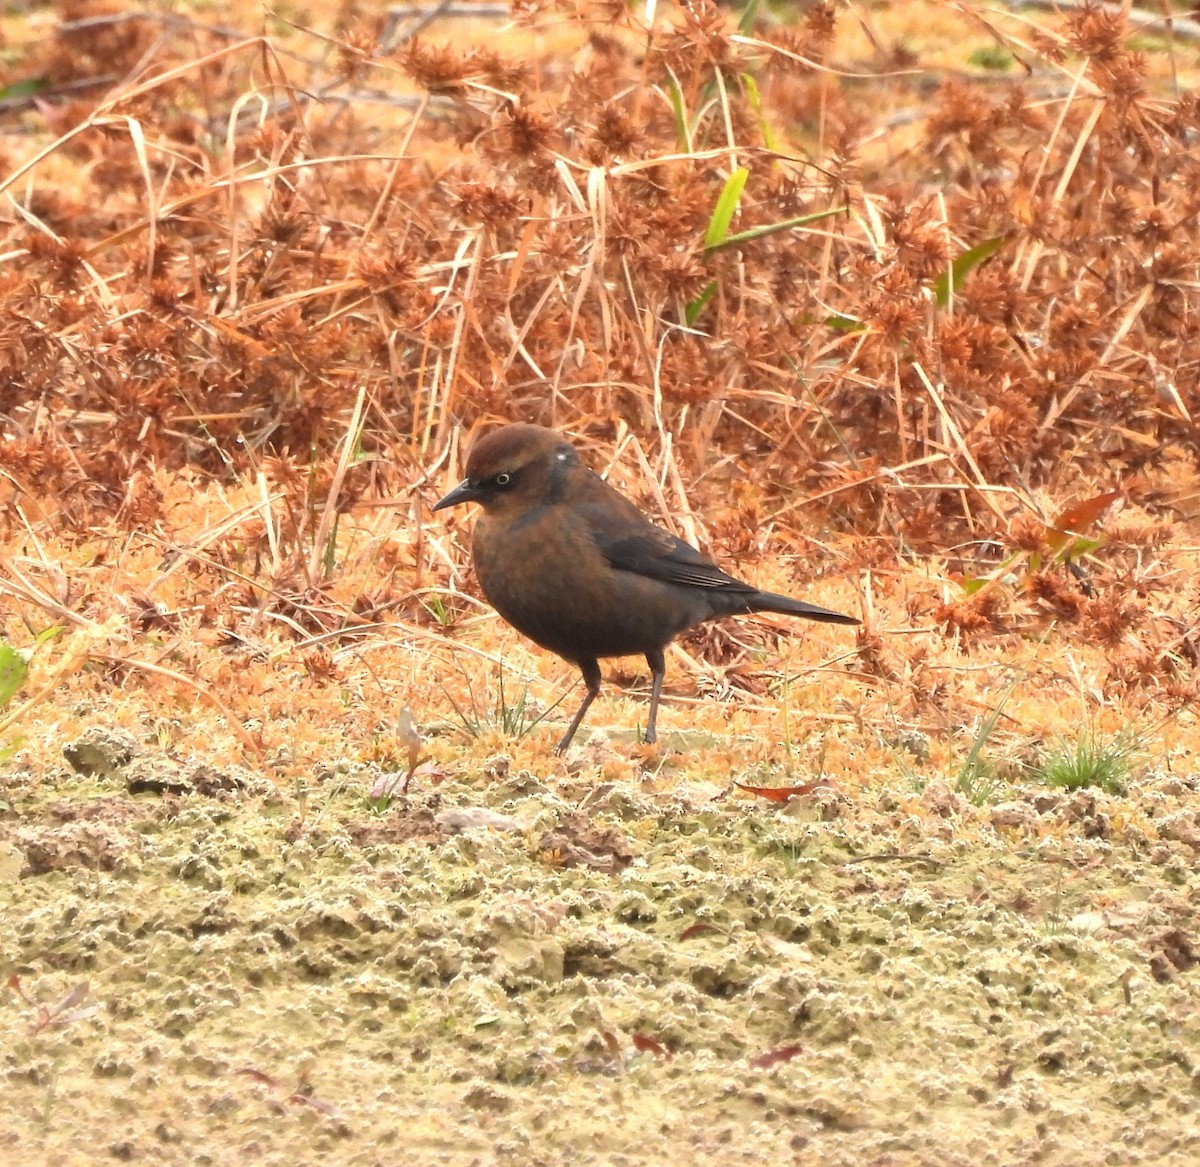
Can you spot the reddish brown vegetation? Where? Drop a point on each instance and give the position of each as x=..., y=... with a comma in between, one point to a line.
x=211, y=265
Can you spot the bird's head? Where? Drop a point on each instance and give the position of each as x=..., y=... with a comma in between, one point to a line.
x=513, y=469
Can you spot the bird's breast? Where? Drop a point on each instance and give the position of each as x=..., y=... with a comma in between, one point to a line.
x=545, y=575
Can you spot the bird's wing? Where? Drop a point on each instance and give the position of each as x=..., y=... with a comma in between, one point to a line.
x=630, y=542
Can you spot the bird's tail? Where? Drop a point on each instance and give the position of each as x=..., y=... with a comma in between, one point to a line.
x=770, y=602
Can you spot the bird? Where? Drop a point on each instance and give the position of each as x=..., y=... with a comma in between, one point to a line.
x=577, y=568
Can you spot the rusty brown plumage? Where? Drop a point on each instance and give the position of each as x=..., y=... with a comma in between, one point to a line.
x=577, y=568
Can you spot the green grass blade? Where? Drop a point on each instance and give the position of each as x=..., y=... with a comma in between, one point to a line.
x=682, y=135
x=755, y=99
x=973, y=778
x=46, y=635
x=753, y=233
x=844, y=324
x=727, y=204
x=752, y=94
x=14, y=667
x=692, y=313
x=970, y=259
x=30, y=87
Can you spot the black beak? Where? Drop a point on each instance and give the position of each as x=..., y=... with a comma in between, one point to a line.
x=463, y=492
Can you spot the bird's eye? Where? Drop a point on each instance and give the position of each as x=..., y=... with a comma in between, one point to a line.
x=502, y=479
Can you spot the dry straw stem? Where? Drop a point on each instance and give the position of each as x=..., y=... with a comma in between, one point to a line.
x=90, y=642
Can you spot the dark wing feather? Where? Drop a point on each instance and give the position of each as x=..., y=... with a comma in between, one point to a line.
x=630, y=542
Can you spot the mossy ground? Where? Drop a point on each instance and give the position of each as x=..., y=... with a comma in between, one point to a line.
x=601, y=976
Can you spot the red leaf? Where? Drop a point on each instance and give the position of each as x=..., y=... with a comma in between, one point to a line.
x=1077, y=518
x=648, y=1045
x=784, y=1053
x=697, y=930
x=783, y=793
x=14, y=983
x=258, y=1076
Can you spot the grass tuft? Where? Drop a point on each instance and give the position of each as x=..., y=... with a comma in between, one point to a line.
x=1092, y=761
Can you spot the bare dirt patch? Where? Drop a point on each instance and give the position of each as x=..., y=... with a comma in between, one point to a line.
x=879, y=984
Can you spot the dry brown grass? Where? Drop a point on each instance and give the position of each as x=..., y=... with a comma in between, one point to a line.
x=255, y=292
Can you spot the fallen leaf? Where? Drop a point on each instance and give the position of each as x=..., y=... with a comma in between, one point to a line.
x=1077, y=518
x=258, y=1076
x=14, y=983
x=784, y=1053
x=783, y=793
x=648, y=1045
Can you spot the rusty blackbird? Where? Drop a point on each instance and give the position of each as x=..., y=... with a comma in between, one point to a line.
x=577, y=568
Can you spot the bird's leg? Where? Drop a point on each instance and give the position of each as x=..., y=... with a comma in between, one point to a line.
x=658, y=666
x=591, y=678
